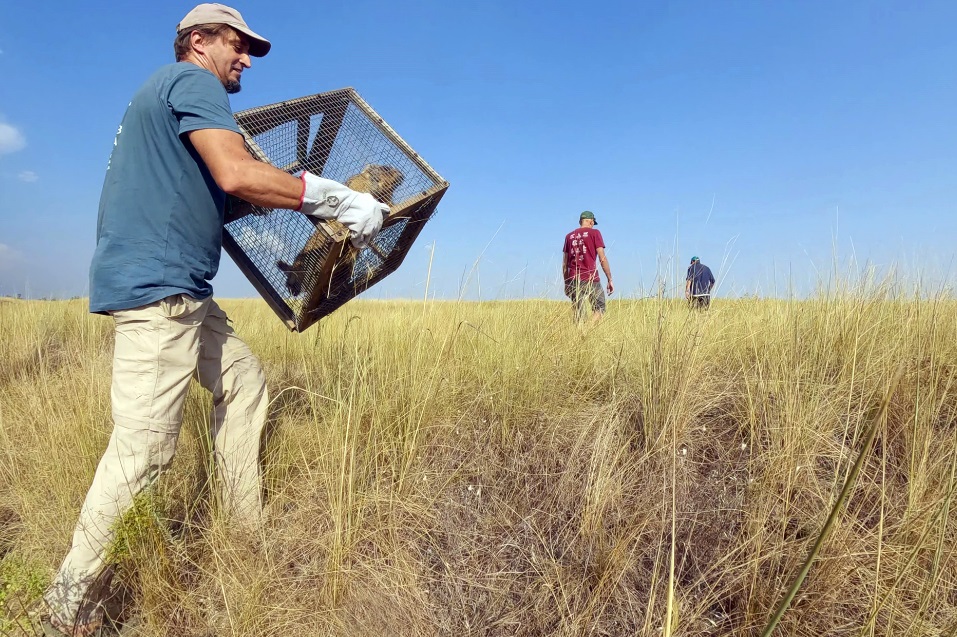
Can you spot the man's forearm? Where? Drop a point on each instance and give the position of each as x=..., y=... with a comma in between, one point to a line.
x=267, y=186
x=241, y=175
x=607, y=270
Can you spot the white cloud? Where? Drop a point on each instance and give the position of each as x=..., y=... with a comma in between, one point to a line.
x=11, y=140
x=28, y=176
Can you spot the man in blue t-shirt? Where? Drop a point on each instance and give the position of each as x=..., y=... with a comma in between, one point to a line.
x=177, y=153
x=698, y=284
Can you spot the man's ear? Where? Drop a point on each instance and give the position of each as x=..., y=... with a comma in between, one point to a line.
x=197, y=41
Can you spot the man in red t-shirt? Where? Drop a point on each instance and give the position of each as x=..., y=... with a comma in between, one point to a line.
x=582, y=283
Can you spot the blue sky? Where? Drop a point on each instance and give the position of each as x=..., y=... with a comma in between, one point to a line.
x=769, y=138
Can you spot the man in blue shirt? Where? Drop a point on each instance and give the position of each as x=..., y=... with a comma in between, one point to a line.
x=698, y=284
x=177, y=153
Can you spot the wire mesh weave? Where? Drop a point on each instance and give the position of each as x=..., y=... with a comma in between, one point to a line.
x=305, y=268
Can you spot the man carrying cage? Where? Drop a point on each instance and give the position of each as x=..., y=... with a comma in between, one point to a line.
x=177, y=153
x=583, y=247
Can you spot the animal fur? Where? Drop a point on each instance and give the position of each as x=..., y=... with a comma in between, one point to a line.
x=376, y=179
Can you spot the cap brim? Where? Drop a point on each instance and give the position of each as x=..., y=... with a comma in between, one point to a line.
x=258, y=45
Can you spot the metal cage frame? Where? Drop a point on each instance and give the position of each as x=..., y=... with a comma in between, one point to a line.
x=337, y=273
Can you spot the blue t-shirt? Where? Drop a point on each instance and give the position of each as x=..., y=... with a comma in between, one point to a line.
x=160, y=225
x=701, y=278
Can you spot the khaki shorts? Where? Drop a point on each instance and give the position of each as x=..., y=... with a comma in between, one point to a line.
x=588, y=297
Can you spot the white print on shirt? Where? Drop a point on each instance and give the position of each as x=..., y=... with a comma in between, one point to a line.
x=116, y=140
x=578, y=246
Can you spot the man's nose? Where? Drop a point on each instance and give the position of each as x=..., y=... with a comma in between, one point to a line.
x=245, y=60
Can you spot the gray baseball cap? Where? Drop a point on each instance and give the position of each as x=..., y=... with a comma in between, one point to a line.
x=212, y=13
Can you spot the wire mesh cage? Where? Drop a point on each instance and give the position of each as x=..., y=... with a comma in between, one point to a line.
x=305, y=268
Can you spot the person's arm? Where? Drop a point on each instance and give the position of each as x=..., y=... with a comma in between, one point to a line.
x=564, y=266
x=687, y=288
x=607, y=269
x=238, y=173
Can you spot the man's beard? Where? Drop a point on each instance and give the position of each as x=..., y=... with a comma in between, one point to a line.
x=233, y=86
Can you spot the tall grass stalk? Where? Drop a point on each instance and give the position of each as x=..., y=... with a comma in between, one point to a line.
x=836, y=509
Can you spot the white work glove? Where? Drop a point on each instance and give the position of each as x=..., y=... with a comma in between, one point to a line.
x=357, y=211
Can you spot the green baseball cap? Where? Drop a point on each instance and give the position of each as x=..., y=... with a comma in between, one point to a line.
x=588, y=214
x=693, y=259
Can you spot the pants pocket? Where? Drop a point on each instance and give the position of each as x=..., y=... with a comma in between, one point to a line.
x=177, y=306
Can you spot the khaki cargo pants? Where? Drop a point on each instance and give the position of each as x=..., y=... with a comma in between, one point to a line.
x=159, y=348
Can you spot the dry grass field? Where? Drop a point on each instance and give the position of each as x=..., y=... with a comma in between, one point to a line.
x=486, y=469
